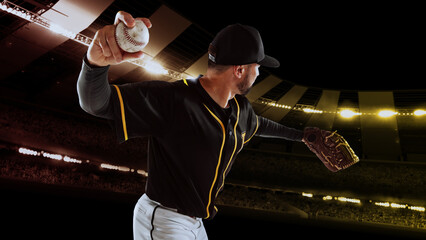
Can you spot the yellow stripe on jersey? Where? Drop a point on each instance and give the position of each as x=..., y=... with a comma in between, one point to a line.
x=218, y=162
x=235, y=147
x=257, y=126
x=123, y=116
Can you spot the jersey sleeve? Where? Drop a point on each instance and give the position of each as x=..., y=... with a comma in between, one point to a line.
x=271, y=129
x=142, y=109
x=263, y=127
x=252, y=120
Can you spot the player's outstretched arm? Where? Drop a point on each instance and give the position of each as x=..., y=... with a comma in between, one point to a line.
x=271, y=129
x=104, y=50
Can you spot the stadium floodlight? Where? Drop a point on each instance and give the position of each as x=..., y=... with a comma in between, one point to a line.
x=386, y=113
x=347, y=113
x=419, y=112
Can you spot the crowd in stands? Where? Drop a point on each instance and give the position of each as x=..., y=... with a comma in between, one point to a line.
x=252, y=168
x=35, y=169
x=42, y=170
x=91, y=135
x=318, y=208
x=398, y=179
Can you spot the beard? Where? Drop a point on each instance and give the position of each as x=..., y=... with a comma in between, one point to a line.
x=244, y=86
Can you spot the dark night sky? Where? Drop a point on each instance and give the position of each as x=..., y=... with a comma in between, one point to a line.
x=355, y=46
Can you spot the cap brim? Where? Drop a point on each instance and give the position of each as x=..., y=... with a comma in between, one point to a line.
x=269, y=61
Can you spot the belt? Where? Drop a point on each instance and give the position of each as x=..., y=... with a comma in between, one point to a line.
x=168, y=208
x=175, y=210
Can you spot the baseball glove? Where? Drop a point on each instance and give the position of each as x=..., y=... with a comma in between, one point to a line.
x=331, y=148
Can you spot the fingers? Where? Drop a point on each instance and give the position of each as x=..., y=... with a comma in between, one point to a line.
x=110, y=48
x=131, y=56
x=125, y=17
x=146, y=21
x=129, y=21
x=100, y=35
x=109, y=44
x=104, y=50
x=113, y=46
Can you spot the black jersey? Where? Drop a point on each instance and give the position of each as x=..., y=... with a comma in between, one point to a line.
x=193, y=142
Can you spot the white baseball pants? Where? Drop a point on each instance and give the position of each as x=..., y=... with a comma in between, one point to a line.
x=151, y=220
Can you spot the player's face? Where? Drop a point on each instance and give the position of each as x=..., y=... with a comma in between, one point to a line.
x=246, y=83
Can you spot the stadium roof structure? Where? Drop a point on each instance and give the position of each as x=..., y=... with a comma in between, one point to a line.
x=341, y=66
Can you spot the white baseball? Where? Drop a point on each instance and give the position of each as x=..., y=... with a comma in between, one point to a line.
x=132, y=39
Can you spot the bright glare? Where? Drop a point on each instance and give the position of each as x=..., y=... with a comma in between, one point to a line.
x=58, y=29
x=27, y=151
x=52, y=156
x=71, y=160
x=347, y=113
x=386, y=113
x=307, y=194
x=310, y=110
x=383, y=204
x=142, y=172
x=419, y=112
x=351, y=200
x=155, y=67
x=397, y=205
x=115, y=167
x=186, y=76
x=327, y=198
x=416, y=208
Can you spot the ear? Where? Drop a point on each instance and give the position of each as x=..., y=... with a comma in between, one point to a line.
x=239, y=70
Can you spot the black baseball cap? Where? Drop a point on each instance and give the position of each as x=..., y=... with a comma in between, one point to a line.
x=239, y=44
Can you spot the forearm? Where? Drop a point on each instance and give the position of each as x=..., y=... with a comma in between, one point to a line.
x=268, y=128
x=94, y=91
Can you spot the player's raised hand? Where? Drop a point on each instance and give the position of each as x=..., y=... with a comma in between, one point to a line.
x=104, y=51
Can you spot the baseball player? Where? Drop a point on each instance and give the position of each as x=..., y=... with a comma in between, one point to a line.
x=196, y=127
